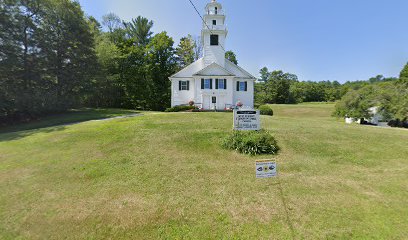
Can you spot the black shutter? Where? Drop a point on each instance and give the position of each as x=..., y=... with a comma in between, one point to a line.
x=216, y=83
x=237, y=85
x=210, y=83
x=225, y=83
x=188, y=85
x=246, y=86
x=202, y=83
x=179, y=85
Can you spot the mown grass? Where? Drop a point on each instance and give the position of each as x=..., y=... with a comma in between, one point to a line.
x=164, y=175
x=69, y=117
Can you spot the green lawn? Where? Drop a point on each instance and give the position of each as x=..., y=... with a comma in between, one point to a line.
x=164, y=175
x=72, y=116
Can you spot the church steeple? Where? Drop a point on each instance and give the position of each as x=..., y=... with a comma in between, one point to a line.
x=213, y=34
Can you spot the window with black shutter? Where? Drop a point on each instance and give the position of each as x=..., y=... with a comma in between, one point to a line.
x=214, y=22
x=242, y=86
x=206, y=83
x=184, y=85
x=220, y=84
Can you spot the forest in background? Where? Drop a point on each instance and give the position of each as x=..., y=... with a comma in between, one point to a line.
x=354, y=98
x=53, y=57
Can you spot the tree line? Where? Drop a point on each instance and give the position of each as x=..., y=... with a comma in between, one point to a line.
x=53, y=57
x=391, y=97
x=285, y=88
x=47, y=59
x=354, y=98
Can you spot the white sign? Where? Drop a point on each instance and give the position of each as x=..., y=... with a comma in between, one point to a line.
x=265, y=169
x=246, y=119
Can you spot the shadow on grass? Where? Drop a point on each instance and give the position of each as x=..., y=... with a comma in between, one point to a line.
x=21, y=134
x=57, y=122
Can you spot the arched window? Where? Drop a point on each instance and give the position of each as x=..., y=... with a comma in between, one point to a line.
x=216, y=10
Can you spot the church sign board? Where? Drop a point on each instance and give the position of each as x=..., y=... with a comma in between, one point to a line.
x=246, y=119
x=265, y=169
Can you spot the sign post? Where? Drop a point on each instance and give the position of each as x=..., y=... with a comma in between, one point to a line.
x=246, y=119
x=265, y=169
x=249, y=120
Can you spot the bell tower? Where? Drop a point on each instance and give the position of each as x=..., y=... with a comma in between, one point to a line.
x=213, y=34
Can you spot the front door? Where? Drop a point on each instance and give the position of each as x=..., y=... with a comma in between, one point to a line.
x=213, y=102
x=206, y=102
x=220, y=103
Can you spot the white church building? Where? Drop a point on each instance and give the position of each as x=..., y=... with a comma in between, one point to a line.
x=213, y=82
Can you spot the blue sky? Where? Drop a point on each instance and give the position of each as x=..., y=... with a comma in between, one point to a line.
x=315, y=39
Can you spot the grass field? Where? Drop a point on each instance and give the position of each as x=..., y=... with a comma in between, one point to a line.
x=72, y=116
x=164, y=175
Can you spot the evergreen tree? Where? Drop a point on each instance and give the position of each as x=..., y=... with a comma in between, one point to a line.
x=185, y=51
x=139, y=30
x=264, y=72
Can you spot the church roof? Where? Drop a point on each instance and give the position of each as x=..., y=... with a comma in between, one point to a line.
x=238, y=71
x=214, y=70
x=198, y=68
x=188, y=71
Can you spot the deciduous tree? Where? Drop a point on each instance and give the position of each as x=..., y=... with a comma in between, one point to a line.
x=404, y=75
x=161, y=65
x=230, y=55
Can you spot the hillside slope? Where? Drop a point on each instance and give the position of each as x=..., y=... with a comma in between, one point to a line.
x=164, y=175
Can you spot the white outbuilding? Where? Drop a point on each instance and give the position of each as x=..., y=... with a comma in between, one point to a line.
x=213, y=82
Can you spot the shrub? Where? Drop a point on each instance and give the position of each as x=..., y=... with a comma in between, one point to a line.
x=266, y=110
x=251, y=142
x=179, y=108
x=398, y=123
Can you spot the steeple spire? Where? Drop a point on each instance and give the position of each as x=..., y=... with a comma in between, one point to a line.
x=213, y=34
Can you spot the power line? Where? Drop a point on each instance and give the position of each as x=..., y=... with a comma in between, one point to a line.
x=199, y=14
